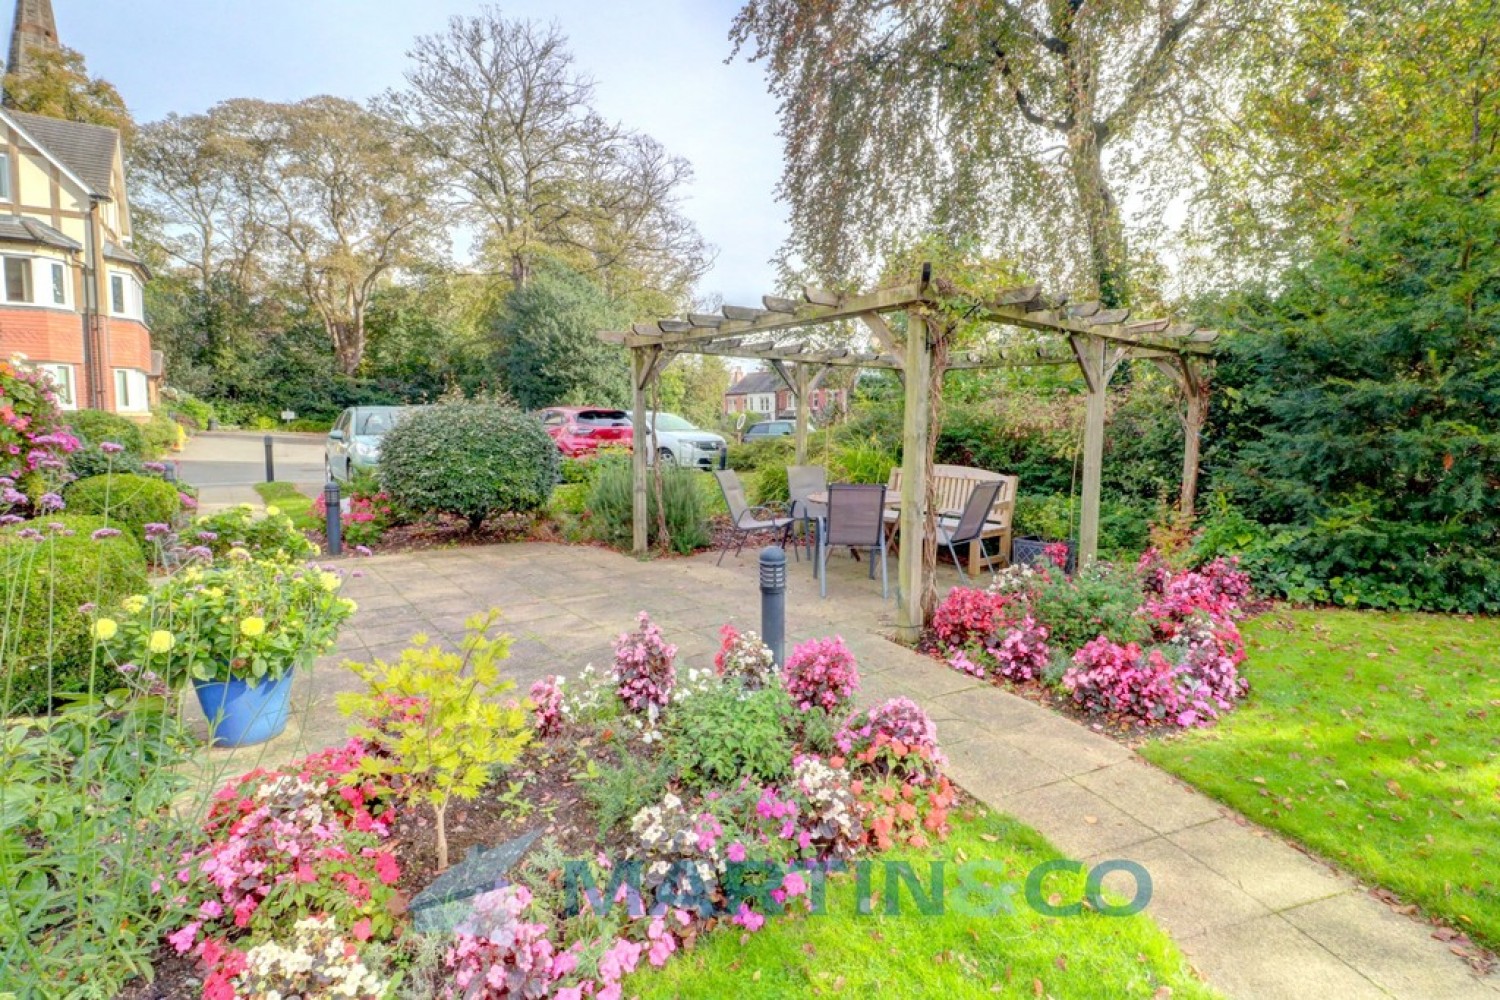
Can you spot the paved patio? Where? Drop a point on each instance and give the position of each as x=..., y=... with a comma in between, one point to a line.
x=1257, y=917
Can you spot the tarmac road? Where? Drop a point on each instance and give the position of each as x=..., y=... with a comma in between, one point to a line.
x=226, y=465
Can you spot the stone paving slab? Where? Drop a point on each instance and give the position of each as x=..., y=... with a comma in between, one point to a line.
x=1257, y=917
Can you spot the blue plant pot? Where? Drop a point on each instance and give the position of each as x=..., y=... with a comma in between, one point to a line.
x=240, y=714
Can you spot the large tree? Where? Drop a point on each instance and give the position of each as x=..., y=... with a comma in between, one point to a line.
x=348, y=202
x=57, y=84
x=1329, y=102
x=500, y=104
x=547, y=345
x=1025, y=121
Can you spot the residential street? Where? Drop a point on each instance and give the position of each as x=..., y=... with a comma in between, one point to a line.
x=226, y=465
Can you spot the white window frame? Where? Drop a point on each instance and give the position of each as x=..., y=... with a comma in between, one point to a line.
x=134, y=295
x=5, y=194
x=54, y=267
x=130, y=382
x=64, y=383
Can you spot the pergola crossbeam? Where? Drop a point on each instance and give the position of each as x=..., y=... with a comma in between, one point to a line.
x=1095, y=338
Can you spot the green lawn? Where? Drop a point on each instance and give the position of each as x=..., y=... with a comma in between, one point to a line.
x=1375, y=740
x=949, y=956
x=293, y=503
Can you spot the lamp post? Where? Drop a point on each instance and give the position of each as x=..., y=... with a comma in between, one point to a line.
x=333, y=527
x=773, y=600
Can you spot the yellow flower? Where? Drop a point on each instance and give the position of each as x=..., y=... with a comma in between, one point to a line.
x=272, y=510
x=134, y=604
x=239, y=553
x=350, y=605
x=329, y=580
x=214, y=592
x=105, y=628
x=161, y=641
x=252, y=626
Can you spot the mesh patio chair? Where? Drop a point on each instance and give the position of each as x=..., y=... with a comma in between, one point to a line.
x=746, y=519
x=971, y=523
x=856, y=518
x=802, y=481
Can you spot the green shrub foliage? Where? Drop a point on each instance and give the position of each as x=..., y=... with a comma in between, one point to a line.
x=45, y=639
x=761, y=748
x=1360, y=409
x=97, y=426
x=471, y=459
x=610, y=506
x=128, y=502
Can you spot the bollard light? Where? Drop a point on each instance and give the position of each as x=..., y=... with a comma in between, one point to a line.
x=773, y=600
x=334, y=526
x=270, y=462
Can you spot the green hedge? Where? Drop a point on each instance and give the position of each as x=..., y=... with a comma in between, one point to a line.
x=45, y=640
x=128, y=502
x=94, y=427
x=475, y=460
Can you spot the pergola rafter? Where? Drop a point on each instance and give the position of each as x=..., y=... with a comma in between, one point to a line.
x=1085, y=334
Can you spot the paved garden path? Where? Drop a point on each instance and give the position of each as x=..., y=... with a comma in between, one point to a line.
x=1256, y=917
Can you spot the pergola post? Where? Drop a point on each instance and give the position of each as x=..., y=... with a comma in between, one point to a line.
x=1098, y=362
x=802, y=381
x=641, y=361
x=916, y=421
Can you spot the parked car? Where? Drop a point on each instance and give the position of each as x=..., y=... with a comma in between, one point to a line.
x=583, y=430
x=679, y=442
x=354, y=442
x=769, y=429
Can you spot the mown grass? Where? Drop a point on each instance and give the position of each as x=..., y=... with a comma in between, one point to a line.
x=952, y=955
x=1375, y=740
x=293, y=503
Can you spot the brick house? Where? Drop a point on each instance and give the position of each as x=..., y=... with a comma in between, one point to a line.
x=70, y=287
x=764, y=393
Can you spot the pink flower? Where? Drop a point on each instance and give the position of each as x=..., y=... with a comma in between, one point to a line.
x=748, y=918
x=362, y=929
x=182, y=940
x=736, y=851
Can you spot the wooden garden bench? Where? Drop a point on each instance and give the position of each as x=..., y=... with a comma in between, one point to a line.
x=952, y=486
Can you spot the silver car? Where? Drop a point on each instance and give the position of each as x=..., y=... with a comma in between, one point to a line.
x=679, y=442
x=354, y=442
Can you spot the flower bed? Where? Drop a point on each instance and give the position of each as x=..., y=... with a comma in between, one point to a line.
x=299, y=887
x=1144, y=647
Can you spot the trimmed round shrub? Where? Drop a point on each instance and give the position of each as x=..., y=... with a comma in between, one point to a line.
x=126, y=501
x=473, y=460
x=45, y=638
x=97, y=426
x=161, y=434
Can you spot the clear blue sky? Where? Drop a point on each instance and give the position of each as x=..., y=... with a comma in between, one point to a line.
x=659, y=65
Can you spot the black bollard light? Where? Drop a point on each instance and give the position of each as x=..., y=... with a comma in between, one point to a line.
x=773, y=600
x=270, y=462
x=334, y=525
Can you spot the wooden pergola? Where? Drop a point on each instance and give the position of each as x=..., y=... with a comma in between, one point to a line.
x=1029, y=328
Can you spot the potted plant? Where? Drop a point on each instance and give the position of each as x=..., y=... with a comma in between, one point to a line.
x=238, y=631
x=1044, y=527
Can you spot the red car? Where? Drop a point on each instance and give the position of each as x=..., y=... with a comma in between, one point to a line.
x=583, y=430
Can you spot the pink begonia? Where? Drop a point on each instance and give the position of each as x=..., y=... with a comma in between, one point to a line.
x=899, y=719
x=644, y=675
x=182, y=940
x=662, y=942
x=961, y=662
x=821, y=673
x=736, y=852
x=748, y=918
x=1022, y=653
x=547, y=697
x=619, y=960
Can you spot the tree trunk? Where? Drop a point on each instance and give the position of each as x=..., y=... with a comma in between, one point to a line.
x=1101, y=215
x=348, y=344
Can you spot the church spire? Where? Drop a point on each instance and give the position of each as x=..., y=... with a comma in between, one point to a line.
x=34, y=28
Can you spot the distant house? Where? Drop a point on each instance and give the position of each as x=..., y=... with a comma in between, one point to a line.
x=766, y=395
x=70, y=287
